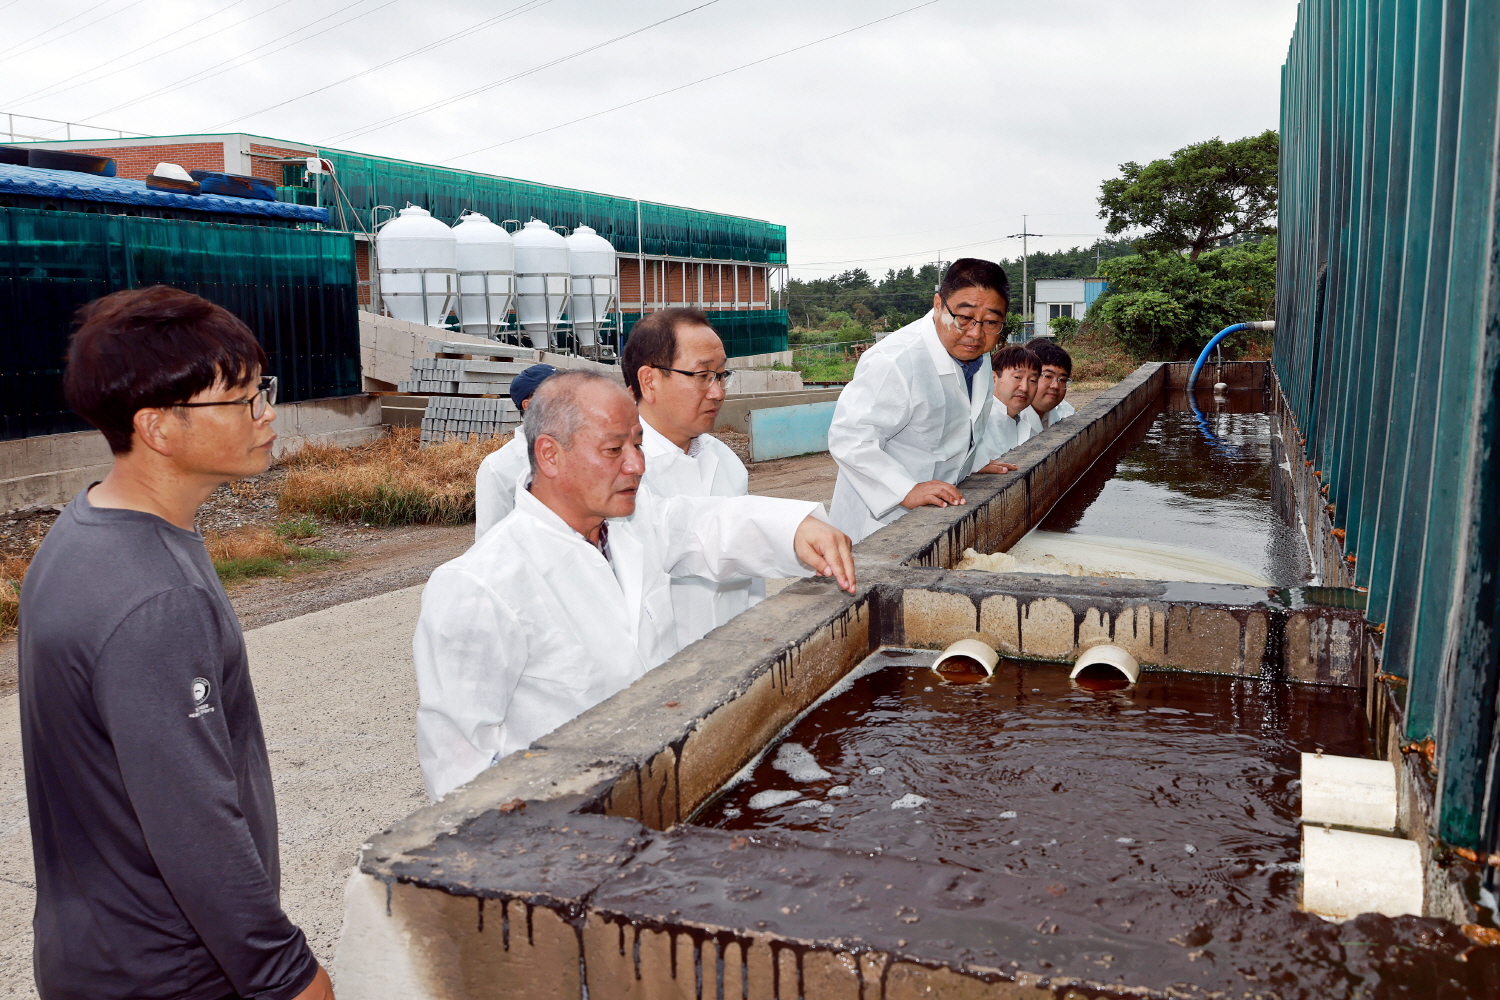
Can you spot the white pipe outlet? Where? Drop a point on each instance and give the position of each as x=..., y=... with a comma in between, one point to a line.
x=969, y=649
x=1109, y=656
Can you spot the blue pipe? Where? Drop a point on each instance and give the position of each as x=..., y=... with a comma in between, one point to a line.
x=1207, y=428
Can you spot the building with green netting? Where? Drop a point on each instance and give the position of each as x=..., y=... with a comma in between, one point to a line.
x=730, y=266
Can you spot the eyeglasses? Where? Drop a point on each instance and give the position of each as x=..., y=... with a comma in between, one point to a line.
x=264, y=396
x=988, y=326
x=1062, y=380
x=705, y=378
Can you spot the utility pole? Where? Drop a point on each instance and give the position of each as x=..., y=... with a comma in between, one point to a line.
x=1025, y=234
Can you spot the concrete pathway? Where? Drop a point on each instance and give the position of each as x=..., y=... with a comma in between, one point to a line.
x=338, y=699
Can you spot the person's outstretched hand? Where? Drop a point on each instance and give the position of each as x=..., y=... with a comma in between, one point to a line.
x=321, y=988
x=826, y=550
x=934, y=493
x=996, y=467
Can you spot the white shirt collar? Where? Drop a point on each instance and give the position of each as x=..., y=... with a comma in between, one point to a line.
x=654, y=442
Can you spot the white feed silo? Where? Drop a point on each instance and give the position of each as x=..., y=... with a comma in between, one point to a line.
x=541, y=281
x=486, y=274
x=591, y=262
x=418, y=259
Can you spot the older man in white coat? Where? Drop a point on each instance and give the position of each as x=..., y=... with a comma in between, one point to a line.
x=911, y=423
x=674, y=366
x=568, y=599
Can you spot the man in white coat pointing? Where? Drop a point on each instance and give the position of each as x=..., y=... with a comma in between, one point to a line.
x=674, y=367
x=568, y=599
x=911, y=422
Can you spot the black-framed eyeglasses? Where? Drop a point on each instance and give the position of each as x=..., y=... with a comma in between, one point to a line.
x=988, y=326
x=705, y=378
x=264, y=396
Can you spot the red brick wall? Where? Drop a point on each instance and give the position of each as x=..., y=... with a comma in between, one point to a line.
x=265, y=168
x=630, y=282
x=362, y=269
x=137, y=162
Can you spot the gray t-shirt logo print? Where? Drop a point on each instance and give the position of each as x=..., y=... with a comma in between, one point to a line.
x=201, y=689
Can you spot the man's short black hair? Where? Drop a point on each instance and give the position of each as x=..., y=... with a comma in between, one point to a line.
x=152, y=347
x=971, y=272
x=1014, y=356
x=1050, y=352
x=652, y=342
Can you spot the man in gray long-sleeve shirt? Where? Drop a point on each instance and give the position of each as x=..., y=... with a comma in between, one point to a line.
x=152, y=816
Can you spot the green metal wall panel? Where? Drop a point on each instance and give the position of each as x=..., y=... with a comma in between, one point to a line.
x=666, y=230
x=294, y=288
x=744, y=332
x=1388, y=345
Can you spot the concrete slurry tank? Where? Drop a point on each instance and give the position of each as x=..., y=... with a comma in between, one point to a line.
x=542, y=282
x=591, y=263
x=486, y=274
x=418, y=260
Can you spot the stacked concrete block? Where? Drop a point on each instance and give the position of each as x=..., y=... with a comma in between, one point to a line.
x=456, y=418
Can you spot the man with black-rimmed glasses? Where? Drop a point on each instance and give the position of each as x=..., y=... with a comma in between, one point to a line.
x=673, y=364
x=910, y=425
x=153, y=821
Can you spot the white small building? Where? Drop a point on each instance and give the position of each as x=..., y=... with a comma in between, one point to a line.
x=1064, y=297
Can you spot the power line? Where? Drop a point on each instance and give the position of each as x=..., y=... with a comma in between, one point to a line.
x=106, y=17
x=684, y=86
x=39, y=34
x=961, y=246
x=524, y=8
x=53, y=89
x=199, y=77
x=387, y=122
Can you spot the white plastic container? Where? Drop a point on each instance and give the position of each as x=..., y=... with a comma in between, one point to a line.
x=486, y=274
x=418, y=259
x=542, y=281
x=591, y=263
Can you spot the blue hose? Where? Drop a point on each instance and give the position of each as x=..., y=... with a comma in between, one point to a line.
x=1203, y=424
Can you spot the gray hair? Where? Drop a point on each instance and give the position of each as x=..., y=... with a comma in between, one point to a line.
x=554, y=410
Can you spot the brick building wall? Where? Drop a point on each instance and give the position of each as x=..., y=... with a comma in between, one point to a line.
x=262, y=159
x=137, y=162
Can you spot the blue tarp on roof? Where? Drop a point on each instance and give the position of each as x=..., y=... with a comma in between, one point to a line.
x=40, y=183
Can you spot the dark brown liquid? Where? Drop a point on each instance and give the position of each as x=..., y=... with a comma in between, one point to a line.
x=1165, y=814
x=962, y=670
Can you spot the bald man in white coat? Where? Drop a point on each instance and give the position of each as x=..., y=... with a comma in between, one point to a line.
x=568, y=599
x=911, y=423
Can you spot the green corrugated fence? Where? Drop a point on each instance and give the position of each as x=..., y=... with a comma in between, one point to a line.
x=666, y=230
x=744, y=332
x=1388, y=346
x=294, y=288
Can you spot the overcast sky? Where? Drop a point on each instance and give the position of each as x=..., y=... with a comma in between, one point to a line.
x=930, y=132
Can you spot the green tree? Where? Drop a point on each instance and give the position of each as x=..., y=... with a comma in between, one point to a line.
x=1062, y=327
x=1204, y=194
x=1166, y=305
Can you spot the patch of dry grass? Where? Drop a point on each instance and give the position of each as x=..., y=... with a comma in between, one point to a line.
x=249, y=552
x=12, y=570
x=1098, y=355
x=391, y=481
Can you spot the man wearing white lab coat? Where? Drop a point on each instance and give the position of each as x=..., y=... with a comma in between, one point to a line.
x=1012, y=420
x=507, y=467
x=568, y=599
x=1051, y=402
x=674, y=367
x=911, y=423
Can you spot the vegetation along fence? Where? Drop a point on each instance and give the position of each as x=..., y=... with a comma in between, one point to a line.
x=1388, y=346
x=294, y=288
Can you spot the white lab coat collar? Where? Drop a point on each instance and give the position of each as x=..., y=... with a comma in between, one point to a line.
x=654, y=442
x=626, y=555
x=946, y=365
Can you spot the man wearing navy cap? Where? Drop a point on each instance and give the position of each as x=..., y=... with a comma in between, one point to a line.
x=495, y=483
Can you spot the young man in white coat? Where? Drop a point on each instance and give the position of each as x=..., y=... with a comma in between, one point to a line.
x=568, y=600
x=674, y=367
x=502, y=469
x=1012, y=421
x=911, y=422
x=1051, y=402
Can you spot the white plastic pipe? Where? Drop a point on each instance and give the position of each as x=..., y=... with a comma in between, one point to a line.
x=1108, y=656
x=971, y=649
